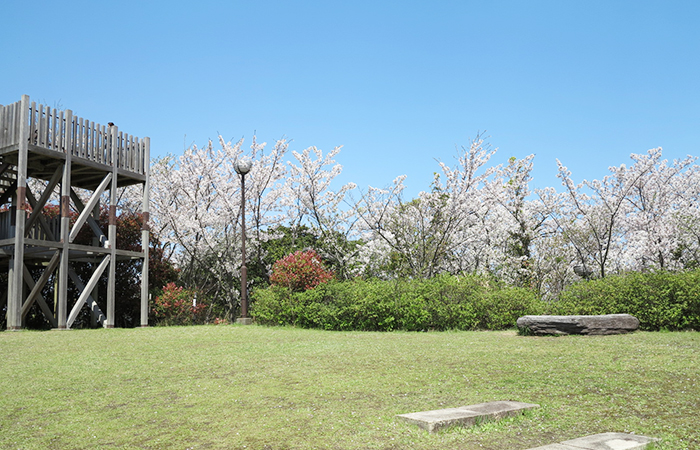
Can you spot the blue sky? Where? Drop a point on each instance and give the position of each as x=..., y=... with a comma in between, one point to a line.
x=397, y=83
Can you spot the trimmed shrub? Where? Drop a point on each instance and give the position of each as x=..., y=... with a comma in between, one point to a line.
x=660, y=300
x=442, y=303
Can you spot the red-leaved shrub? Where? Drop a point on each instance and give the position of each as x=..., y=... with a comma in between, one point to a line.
x=178, y=306
x=300, y=271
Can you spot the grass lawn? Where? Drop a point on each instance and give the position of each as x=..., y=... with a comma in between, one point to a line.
x=236, y=387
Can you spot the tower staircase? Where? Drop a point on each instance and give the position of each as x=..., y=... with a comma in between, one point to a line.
x=8, y=180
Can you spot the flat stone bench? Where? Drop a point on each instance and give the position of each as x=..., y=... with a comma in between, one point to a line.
x=592, y=325
x=604, y=441
x=432, y=421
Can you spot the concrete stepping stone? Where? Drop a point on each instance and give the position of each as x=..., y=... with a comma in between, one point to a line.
x=603, y=441
x=432, y=421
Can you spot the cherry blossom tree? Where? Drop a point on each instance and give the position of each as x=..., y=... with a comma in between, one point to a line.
x=191, y=211
x=196, y=205
x=435, y=232
x=687, y=219
x=196, y=209
x=654, y=226
x=311, y=201
x=628, y=220
x=515, y=221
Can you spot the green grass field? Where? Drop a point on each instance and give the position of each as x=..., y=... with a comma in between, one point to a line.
x=236, y=387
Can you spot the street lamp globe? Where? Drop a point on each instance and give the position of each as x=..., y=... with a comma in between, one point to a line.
x=243, y=165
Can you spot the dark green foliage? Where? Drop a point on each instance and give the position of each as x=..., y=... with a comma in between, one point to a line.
x=289, y=240
x=440, y=303
x=660, y=300
x=333, y=247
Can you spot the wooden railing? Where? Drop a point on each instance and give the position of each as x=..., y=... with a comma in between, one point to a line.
x=63, y=132
x=9, y=125
x=7, y=229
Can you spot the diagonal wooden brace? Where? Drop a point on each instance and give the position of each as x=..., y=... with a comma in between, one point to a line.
x=86, y=290
x=92, y=304
x=3, y=167
x=35, y=294
x=40, y=217
x=38, y=205
x=5, y=196
x=89, y=207
x=90, y=220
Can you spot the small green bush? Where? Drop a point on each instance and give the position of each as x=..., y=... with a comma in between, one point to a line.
x=442, y=303
x=660, y=300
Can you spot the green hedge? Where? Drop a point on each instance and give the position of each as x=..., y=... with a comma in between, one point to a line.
x=661, y=301
x=441, y=303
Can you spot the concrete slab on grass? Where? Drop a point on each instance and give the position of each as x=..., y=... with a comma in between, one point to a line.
x=604, y=441
x=466, y=415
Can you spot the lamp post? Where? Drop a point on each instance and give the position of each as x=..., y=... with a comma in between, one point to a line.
x=242, y=167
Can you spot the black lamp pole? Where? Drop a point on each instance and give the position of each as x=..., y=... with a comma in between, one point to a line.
x=243, y=166
x=244, y=269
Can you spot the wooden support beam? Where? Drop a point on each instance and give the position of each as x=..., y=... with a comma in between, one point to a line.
x=86, y=290
x=90, y=220
x=39, y=285
x=112, y=229
x=97, y=313
x=62, y=309
x=5, y=196
x=3, y=167
x=35, y=294
x=38, y=205
x=40, y=217
x=16, y=272
x=145, y=232
x=87, y=210
x=9, y=192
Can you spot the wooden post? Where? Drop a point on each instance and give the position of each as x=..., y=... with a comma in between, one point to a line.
x=94, y=316
x=62, y=311
x=112, y=229
x=145, y=231
x=16, y=275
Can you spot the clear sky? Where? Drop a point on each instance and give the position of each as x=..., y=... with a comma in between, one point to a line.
x=397, y=83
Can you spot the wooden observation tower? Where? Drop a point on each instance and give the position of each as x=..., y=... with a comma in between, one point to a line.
x=65, y=152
